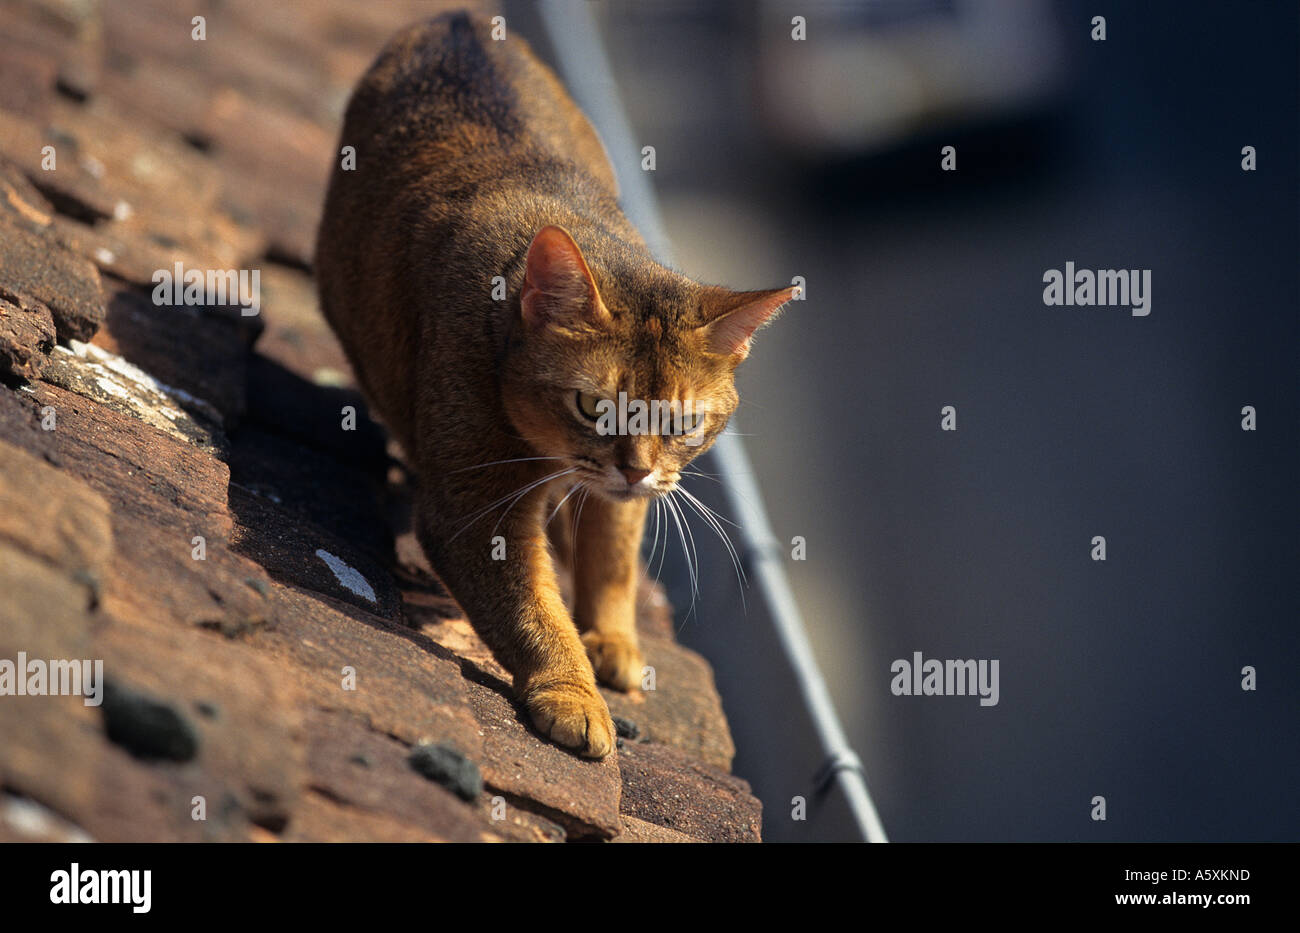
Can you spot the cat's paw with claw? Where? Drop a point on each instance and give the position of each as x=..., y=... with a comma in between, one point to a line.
x=572, y=715
x=615, y=658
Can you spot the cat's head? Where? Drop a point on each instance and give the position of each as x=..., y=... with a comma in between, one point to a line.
x=628, y=380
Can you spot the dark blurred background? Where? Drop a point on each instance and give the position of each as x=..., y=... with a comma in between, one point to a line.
x=821, y=158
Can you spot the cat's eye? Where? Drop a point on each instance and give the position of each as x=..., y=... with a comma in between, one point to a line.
x=687, y=422
x=589, y=406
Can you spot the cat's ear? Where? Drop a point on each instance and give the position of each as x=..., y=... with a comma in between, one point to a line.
x=735, y=317
x=558, y=287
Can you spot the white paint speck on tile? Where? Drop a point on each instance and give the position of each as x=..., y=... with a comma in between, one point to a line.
x=126, y=374
x=348, y=578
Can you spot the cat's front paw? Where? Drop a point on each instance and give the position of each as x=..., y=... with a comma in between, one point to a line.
x=615, y=658
x=572, y=715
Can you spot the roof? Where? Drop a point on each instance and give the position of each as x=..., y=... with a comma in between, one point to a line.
x=135, y=438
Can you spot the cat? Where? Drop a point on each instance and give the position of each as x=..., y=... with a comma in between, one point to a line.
x=472, y=163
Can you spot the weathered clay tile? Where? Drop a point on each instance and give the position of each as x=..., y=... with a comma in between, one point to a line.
x=306, y=484
x=581, y=794
x=667, y=787
x=296, y=550
x=121, y=457
x=20, y=203
x=66, y=35
x=362, y=768
x=248, y=717
x=635, y=830
x=296, y=336
x=33, y=267
x=399, y=685
x=192, y=512
x=202, y=353
x=110, y=380
x=50, y=515
x=27, y=81
x=683, y=709
x=51, y=155
x=320, y=818
x=26, y=337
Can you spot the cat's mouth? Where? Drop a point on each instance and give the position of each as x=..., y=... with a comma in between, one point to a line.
x=610, y=484
x=628, y=493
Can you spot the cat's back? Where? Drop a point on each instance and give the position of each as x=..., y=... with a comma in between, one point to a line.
x=455, y=136
x=446, y=89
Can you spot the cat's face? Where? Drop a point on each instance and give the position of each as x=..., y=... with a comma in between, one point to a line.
x=626, y=384
x=627, y=416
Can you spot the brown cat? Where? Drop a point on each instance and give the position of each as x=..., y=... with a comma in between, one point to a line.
x=473, y=163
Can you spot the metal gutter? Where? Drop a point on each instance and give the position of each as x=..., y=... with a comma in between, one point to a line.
x=815, y=761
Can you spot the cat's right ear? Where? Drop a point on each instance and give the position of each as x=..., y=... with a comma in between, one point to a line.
x=559, y=290
x=740, y=314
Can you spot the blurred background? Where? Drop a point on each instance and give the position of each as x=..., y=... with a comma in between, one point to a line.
x=821, y=158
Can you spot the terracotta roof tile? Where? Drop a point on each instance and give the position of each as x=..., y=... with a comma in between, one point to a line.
x=177, y=500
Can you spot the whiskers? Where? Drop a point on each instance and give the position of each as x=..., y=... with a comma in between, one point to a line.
x=577, y=513
x=579, y=486
x=673, y=510
x=677, y=505
x=510, y=500
x=479, y=466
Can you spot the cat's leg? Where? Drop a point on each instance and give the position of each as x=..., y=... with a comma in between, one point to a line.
x=606, y=570
x=515, y=606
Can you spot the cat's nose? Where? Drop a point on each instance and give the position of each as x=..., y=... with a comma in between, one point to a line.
x=633, y=476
